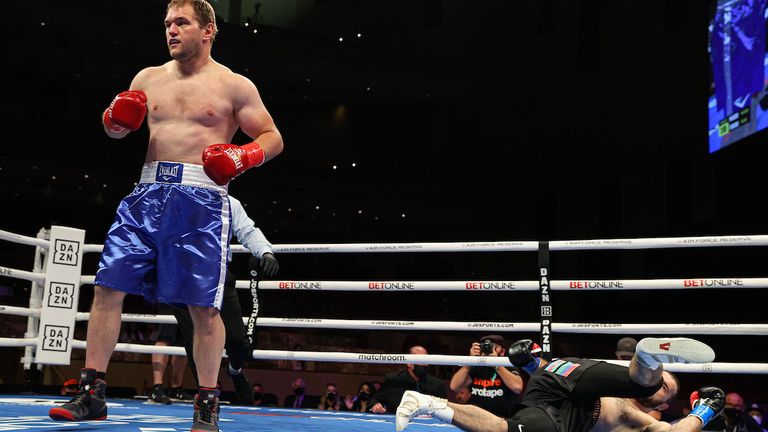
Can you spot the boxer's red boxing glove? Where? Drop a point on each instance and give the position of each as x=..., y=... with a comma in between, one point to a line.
x=126, y=112
x=223, y=162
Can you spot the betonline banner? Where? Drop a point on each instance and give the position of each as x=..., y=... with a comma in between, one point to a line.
x=62, y=286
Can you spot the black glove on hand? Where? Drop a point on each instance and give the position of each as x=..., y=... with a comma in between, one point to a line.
x=267, y=266
x=707, y=403
x=525, y=354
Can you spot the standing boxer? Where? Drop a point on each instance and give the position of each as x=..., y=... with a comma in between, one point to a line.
x=170, y=238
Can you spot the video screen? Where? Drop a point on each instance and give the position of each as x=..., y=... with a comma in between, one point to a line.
x=738, y=100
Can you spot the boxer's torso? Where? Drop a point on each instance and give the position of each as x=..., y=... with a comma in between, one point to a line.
x=188, y=113
x=620, y=415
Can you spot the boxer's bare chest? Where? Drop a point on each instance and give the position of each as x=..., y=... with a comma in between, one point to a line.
x=203, y=99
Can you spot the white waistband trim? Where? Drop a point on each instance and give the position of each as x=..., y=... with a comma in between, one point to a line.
x=178, y=173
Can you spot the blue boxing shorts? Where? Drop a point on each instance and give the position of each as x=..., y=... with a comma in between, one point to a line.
x=170, y=238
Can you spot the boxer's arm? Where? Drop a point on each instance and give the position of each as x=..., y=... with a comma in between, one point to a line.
x=253, y=117
x=511, y=379
x=687, y=424
x=460, y=379
x=246, y=232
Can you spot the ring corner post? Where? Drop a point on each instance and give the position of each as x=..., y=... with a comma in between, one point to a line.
x=60, y=296
x=545, y=309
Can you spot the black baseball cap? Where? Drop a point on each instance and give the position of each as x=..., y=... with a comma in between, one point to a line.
x=498, y=340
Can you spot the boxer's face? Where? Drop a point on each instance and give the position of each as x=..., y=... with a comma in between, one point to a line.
x=667, y=391
x=183, y=33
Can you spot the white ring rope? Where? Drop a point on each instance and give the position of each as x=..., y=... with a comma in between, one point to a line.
x=502, y=246
x=20, y=311
x=490, y=286
x=660, y=243
x=22, y=274
x=22, y=239
x=18, y=342
x=497, y=246
x=599, y=328
x=431, y=359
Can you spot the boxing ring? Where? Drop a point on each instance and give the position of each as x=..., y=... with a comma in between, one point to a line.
x=49, y=295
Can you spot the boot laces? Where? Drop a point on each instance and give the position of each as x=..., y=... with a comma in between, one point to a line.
x=206, y=413
x=82, y=397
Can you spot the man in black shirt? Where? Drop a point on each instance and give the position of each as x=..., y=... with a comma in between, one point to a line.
x=413, y=377
x=581, y=395
x=494, y=389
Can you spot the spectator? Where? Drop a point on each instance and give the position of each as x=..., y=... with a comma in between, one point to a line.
x=330, y=401
x=413, y=377
x=359, y=402
x=625, y=348
x=376, y=386
x=756, y=412
x=258, y=394
x=495, y=389
x=298, y=399
x=734, y=418
x=263, y=399
x=70, y=387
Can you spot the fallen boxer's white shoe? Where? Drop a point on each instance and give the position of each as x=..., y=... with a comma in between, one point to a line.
x=651, y=352
x=414, y=404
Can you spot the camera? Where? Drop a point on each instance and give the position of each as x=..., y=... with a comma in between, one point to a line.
x=486, y=347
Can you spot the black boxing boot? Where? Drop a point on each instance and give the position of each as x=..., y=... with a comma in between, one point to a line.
x=206, y=415
x=90, y=402
x=525, y=354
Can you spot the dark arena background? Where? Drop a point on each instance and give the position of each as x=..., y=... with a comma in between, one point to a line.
x=411, y=121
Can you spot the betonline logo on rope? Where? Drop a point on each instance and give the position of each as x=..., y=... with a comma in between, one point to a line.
x=596, y=284
x=712, y=282
x=300, y=285
x=390, y=286
x=489, y=285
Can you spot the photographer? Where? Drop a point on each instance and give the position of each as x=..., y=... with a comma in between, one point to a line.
x=495, y=389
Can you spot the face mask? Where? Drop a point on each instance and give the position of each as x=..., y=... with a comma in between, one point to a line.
x=258, y=395
x=732, y=412
x=758, y=419
x=331, y=395
x=298, y=391
x=420, y=371
x=363, y=396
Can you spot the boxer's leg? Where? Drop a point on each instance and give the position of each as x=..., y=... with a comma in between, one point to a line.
x=208, y=344
x=90, y=403
x=467, y=417
x=103, y=327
